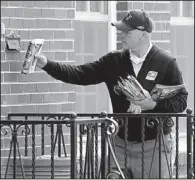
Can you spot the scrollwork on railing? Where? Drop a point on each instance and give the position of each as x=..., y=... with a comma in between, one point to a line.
x=168, y=122
x=83, y=130
x=113, y=127
x=112, y=174
x=120, y=121
x=4, y=132
x=50, y=118
x=66, y=118
x=119, y=172
x=151, y=122
x=24, y=132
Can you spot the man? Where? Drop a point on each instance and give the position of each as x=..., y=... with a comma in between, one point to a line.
x=150, y=65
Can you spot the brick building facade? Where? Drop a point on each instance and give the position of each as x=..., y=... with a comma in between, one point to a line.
x=54, y=21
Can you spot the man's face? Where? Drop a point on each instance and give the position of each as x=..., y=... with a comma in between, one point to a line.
x=131, y=39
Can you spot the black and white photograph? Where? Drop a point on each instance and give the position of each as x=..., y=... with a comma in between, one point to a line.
x=97, y=90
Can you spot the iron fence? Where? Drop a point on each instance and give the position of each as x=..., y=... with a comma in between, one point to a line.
x=91, y=145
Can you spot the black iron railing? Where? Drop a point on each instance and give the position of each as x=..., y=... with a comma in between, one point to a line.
x=91, y=145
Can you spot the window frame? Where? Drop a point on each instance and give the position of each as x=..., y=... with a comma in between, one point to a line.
x=91, y=16
x=181, y=20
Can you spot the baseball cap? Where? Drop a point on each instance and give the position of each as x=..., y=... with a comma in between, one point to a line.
x=135, y=19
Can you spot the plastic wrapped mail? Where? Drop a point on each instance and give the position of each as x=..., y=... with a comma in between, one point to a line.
x=29, y=64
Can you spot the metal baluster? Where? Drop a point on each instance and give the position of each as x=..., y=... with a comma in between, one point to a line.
x=60, y=133
x=81, y=129
x=89, y=150
x=73, y=132
x=63, y=142
x=160, y=135
x=33, y=151
x=189, y=145
x=169, y=163
x=92, y=153
x=103, y=148
x=0, y=152
x=96, y=151
x=193, y=128
x=126, y=139
x=143, y=141
x=52, y=151
x=14, y=142
x=26, y=138
x=177, y=148
x=42, y=138
x=87, y=155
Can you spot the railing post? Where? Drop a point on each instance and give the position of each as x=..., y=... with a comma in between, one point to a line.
x=189, y=145
x=73, y=132
x=59, y=129
x=103, y=147
x=14, y=138
x=0, y=150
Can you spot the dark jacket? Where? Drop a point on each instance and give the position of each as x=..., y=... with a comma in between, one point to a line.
x=117, y=63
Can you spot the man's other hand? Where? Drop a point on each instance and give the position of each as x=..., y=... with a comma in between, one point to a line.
x=146, y=104
x=136, y=109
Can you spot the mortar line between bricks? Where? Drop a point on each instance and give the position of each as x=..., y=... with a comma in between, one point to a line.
x=148, y=11
x=57, y=50
x=42, y=18
x=54, y=39
x=41, y=104
x=34, y=29
x=19, y=72
x=158, y=2
x=38, y=93
x=154, y=41
x=37, y=8
x=155, y=31
x=57, y=82
x=38, y=71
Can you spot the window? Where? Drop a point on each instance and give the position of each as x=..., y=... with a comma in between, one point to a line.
x=92, y=6
x=92, y=10
x=182, y=13
x=182, y=8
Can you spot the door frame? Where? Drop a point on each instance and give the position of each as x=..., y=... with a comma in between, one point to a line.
x=112, y=38
x=111, y=17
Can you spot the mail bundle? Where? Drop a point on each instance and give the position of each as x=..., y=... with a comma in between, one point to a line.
x=133, y=90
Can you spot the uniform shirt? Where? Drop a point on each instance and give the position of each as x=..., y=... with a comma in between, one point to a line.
x=137, y=62
x=110, y=67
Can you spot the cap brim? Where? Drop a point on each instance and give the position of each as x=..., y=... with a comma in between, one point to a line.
x=121, y=26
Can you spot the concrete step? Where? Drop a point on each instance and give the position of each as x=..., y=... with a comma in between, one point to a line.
x=42, y=167
x=182, y=172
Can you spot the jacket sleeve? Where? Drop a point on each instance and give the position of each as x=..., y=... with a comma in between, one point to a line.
x=86, y=74
x=177, y=103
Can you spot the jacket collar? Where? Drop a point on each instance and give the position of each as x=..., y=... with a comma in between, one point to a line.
x=126, y=53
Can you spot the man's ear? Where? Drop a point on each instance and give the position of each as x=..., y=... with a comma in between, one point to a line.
x=144, y=35
x=141, y=36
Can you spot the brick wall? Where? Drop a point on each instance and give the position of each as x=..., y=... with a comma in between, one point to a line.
x=159, y=11
x=37, y=92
